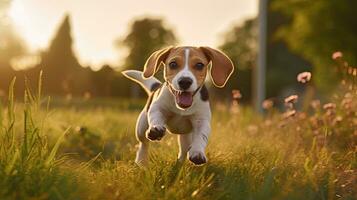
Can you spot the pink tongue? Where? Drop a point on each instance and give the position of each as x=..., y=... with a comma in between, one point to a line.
x=184, y=100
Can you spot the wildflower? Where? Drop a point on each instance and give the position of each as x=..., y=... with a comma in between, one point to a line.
x=291, y=99
x=282, y=124
x=347, y=171
x=347, y=103
x=267, y=104
x=236, y=94
x=345, y=64
x=329, y=106
x=350, y=70
x=289, y=114
x=338, y=119
x=315, y=104
x=235, y=107
x=315, y=133
x=302, y=115
x=348, y=95
x=337, y=55
x=303, y=77
x=330, y=109
x=321, y=140
x=314, y=121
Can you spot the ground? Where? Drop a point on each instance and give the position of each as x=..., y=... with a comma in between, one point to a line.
x=85, y=149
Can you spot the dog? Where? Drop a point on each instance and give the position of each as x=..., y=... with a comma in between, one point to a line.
x=181, y=103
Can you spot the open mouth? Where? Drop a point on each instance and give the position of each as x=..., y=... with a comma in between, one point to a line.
x=183, y=99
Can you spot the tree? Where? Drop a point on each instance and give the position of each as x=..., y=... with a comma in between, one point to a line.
x=240, y=44
x=316, y=29
x=145, y=36
x=62, y=72
x=282, y=64
x=102, y=81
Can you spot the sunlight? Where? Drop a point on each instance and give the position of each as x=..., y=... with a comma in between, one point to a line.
x=17, y=12
x=21, y=19
x=37, y=22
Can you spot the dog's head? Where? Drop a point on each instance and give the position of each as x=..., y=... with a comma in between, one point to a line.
x=185, y=69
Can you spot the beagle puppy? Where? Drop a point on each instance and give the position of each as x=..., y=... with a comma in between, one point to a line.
x=180, y=104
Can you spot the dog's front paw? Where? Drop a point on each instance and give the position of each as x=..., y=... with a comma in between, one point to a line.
x=155, y=133
x=197, y=157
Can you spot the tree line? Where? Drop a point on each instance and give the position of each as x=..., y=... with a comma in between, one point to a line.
x=301, y=36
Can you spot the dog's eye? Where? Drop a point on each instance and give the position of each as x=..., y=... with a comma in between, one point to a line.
x=173, y=65
x=199, y=66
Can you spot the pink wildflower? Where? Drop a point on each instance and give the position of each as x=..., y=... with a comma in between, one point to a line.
x=303, y=77
x=289, y=114
x=337, y=55
x=291, y=99
x=236, y=94
x=267, y=104
x=329, y=106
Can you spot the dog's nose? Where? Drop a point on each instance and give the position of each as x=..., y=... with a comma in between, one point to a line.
x=185, y=83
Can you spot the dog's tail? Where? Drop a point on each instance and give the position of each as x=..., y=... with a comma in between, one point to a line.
x=149, y=84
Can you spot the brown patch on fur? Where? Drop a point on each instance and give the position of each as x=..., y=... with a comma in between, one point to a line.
x=196, y=55
x=154, y=61
x=155, y=86
x=221, y=70
x=222, y=67
x=178, y=55
x=204, y=93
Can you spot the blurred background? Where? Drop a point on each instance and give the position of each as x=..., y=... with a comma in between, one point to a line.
x=81, y=46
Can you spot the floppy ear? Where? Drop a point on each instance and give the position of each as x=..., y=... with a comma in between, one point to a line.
x=153, y=62
x=222, y=67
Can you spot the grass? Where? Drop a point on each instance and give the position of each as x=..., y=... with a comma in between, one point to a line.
x=82, y=149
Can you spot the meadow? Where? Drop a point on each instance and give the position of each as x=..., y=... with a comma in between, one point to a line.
x=85, y=148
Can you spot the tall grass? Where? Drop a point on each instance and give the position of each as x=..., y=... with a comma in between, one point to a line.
x=29, y=167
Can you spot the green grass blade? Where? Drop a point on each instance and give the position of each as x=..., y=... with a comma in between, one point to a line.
x=11, y=110
x=1, y=116
x=11, y=115
x=11, y=164
x=39, y=89
x=54, y=150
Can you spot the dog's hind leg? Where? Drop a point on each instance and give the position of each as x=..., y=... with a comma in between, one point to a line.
x=142, y=155
x=184, y=141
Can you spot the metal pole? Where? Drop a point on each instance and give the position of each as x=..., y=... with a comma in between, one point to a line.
x=261, y=62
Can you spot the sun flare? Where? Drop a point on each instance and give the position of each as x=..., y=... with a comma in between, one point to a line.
x=17, y=12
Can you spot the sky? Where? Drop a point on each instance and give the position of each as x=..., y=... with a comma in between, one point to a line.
x=96, y=25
